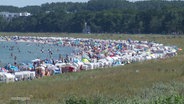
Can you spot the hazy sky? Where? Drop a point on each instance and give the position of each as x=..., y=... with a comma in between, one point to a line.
x=22, y=3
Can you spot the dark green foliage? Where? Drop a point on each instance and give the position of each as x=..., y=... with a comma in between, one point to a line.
x=75, y=100
x=112, y=16
x=173, y=99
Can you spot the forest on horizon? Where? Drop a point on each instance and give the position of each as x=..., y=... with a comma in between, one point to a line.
x=101, y=16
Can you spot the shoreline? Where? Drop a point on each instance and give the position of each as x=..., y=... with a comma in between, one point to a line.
x=97, y=53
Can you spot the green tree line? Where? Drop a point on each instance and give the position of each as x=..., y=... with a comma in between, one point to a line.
x=103, y=16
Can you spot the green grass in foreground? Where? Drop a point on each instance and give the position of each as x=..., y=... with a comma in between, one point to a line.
x=156, y=82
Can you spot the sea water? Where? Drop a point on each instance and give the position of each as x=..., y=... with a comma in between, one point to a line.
x=22, y=52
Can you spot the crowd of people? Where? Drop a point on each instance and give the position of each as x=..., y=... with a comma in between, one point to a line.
x=96, y=53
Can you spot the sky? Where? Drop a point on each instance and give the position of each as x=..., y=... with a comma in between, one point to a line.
x=22, y=3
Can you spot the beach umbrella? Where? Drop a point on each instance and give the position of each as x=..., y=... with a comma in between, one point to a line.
x=85, y=60
x=36, y=60
x=51, y=67
x=60, y=42
x=118, y=53
x=3, y=70
x=109, y=59
x=77, y=42
x=102, y=55
x=85, y=56
x=14, y=68
x=75, y=60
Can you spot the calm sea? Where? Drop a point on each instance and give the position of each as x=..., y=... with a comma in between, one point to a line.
x=11, y=52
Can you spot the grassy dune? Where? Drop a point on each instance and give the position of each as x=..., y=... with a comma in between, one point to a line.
x=147, y=82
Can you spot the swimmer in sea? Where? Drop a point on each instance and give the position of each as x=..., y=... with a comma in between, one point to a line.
x=11, y=54
x=29, y=52
x=42, y=51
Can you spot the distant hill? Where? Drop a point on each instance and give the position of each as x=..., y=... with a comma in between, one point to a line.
x=102, y=16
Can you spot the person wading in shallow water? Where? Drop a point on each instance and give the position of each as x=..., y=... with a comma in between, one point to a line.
x=15, y=58
x=11, y=54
